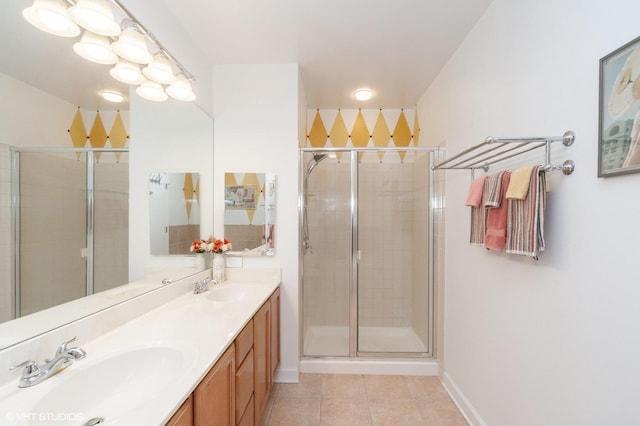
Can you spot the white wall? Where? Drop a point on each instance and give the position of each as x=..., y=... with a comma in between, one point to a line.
x=256, y=130
x=552, y=342
x=170, y=136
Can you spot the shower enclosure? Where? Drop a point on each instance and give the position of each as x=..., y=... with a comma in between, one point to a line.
x=367, y=250
x=71, y=220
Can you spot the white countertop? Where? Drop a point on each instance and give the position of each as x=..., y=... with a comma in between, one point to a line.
x=200, y=327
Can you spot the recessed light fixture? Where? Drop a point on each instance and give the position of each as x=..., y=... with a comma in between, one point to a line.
x=363, y=94
x=112, y=96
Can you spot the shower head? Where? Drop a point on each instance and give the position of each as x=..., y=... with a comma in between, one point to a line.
x=317, y=158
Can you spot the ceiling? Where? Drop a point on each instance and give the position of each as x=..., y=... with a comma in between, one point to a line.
x=49, y=63
x=395, y=47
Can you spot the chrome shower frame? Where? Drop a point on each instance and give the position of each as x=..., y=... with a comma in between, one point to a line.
x=434, y=202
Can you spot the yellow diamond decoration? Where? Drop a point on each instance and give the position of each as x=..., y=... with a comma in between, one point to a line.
x=118, y=135
x=360, y=133
x=339, y=134
x=98, y=136
x=402, y=133
x=78, y=132
x=318, y=134
x=381, y=135
x=187, y=190
x=196, y=191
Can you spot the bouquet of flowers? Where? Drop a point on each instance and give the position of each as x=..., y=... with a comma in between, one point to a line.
x=201, y=246
x=212, y=245
x=220, y=246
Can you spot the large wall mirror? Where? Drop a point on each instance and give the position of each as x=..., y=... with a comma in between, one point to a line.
x=43, y=84
x=250, y=213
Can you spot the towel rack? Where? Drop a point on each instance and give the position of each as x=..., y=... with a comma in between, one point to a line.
x=494, y=150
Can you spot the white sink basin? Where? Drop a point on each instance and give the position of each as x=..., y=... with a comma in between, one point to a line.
x=228, y=293
x=112, y=387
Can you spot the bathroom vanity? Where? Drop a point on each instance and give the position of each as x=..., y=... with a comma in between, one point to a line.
x=166, y=357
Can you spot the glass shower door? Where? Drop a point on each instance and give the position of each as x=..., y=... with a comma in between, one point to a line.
x=52, y=229
x=393, y=247
x=72, y=222
x=326, y=264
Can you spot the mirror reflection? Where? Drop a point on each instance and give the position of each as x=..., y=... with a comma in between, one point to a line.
x=175, y=212
x=250, y=213
x=43, y=92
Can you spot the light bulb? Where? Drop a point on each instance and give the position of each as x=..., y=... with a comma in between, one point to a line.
x=127, y=72
x=51, y=16
x=95, y=48
x=96, y=16
x=151, y=91
x=181, y=89
x=132, y=46
x=159, y=70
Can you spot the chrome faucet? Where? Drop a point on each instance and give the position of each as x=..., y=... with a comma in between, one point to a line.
x=202, y=286
x=64, y=357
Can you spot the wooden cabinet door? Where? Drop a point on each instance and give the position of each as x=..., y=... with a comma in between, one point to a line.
x=214, y=398
x=184, y=415
x=244, y=385
x=275, y=334
x=261, y=354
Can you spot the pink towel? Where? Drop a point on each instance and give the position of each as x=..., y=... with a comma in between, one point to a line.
x=475, y=192
x=496, y=234
x=479, y=214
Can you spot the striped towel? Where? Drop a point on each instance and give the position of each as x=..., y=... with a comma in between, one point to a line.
x=479, y=218
x=495, y=236
x=525, y=218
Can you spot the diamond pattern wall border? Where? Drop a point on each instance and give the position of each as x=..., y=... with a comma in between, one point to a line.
x=406, y=129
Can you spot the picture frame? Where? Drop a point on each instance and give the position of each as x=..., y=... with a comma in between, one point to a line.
x=619, y=111
x=240, y=197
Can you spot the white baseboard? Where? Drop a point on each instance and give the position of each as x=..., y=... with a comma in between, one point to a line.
x=287, y=376
x=369, y=366
x=465, y=407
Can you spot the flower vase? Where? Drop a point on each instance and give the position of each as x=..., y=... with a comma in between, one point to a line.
x=218, y=267
x=201, y=261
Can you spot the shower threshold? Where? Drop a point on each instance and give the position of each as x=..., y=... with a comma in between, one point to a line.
x=334, y=341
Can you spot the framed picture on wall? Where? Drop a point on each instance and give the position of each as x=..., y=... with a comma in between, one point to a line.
x=240, y=196
x=619, y=121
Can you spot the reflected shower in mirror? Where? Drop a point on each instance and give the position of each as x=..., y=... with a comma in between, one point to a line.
x=42, y=92
x=250, y=213
x=175, y=212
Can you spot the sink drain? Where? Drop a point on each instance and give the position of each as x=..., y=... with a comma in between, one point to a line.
x=94, y=421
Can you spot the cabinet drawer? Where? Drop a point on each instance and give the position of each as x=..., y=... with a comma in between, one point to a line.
x=244, y=342
x=247, y=417
x=244, y=384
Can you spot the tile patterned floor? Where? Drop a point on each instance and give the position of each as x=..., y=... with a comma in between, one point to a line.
x=353, y=400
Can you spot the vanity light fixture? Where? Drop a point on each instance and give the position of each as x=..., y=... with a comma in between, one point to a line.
x=181, y=89
x=152, y=91
x=363, y=94
x=95, y=16
x=159, y=70
x=105, y=42
x=95, y=48
x=127, y=72
x=112, y=96
x=51, y=16
x=132, y=46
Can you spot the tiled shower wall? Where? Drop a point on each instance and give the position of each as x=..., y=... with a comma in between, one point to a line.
x=53, y=203
x=393, y=225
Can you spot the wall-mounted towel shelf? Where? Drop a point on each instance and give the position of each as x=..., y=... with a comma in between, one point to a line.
x=494, y=150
